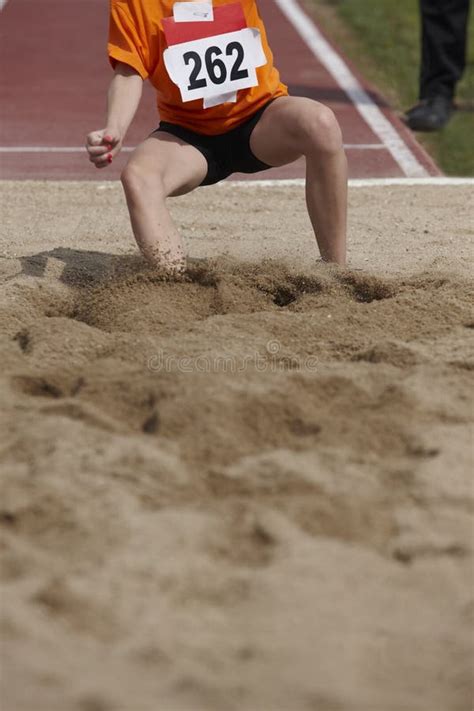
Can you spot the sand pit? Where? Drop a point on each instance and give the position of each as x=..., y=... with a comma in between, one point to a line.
x=248, y=491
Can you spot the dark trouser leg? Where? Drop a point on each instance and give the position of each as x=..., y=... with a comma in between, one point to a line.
x=444, y=39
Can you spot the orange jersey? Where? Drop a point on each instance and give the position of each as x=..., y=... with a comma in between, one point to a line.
x=209, y=62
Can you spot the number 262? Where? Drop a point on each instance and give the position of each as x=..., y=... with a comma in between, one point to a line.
x=216, y=68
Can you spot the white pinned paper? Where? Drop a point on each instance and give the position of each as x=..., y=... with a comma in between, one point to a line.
x=193, y=12
x=212, y=101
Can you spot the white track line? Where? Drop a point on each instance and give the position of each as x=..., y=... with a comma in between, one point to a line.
x=339, y=70
x=2, y=4
x=433, y=181
x=354, y=183
x=128, y=149
x=437, y=181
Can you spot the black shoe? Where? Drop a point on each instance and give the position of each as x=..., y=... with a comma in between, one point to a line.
x=430, y=114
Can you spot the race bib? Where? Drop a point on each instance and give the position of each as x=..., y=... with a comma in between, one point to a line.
x=213, y=59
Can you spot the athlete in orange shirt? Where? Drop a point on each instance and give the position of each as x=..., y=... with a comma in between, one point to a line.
x=223, y=109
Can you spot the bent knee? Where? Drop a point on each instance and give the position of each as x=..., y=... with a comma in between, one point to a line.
x=138, y=179
x=322, y=131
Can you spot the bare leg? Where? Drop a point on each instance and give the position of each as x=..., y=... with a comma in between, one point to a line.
x=292, y=127
x=162, y=166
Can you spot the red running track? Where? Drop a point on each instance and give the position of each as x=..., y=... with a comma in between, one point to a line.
x=55, y=77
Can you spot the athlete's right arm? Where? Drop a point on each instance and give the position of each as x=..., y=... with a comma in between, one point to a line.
x=123, y=98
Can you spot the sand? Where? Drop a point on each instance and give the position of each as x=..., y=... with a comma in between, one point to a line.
x=248, y=491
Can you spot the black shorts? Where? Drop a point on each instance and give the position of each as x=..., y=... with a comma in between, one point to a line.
x=225, y=153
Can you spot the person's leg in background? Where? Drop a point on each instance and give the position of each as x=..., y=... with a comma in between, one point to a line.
x=443, y=60
x=444, y=44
